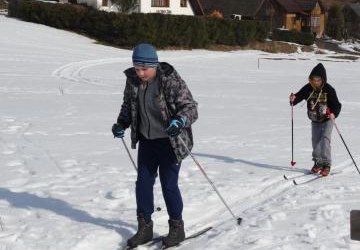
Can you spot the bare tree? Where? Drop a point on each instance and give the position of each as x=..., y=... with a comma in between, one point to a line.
x=125, y=6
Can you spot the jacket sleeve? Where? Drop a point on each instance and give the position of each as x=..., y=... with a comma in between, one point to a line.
x=302, y=94
x=124, y=117
x=185, y=105
x=333, y=102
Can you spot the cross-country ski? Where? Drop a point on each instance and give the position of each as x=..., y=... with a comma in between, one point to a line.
x=158, y=240
x=310, y=178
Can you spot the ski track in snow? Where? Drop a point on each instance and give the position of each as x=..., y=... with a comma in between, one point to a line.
x=67, y=184
x=74, y=72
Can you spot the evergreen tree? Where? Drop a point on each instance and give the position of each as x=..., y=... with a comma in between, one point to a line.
x=336, y=23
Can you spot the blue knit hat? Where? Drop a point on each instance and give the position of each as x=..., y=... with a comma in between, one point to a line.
x=144, y=54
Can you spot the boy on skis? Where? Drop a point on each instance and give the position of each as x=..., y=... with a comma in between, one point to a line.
x=323, y=107
x=159, y=108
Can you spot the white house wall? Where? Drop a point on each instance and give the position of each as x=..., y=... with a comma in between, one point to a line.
x=174, y=8
x=145, y=7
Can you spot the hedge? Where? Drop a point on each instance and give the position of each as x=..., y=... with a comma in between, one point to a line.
x=293, y=36
x=128, y=30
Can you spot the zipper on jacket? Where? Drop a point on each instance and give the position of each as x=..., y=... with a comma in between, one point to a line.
x=147, y=84
x=137, y=114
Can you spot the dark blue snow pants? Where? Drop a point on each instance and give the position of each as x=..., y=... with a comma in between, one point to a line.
x=153, y=155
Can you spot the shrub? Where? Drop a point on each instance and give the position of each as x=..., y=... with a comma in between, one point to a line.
x=293, y=36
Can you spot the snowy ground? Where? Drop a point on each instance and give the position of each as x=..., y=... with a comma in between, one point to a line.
x=352, y=47
x=65, y=183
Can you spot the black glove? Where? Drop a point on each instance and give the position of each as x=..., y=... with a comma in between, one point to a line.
x=176, y=126
x=118, y=130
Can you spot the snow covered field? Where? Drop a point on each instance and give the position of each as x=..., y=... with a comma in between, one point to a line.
x=66, y=183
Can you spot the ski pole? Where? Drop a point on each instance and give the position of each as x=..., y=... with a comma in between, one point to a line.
x=338, y=131
x=239, y=219
x=292, y=133
x=127, y=150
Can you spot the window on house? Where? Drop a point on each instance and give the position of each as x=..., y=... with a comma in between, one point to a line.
x=183, y=3
x=315, y=21
x=160, y=3
x=104, y=2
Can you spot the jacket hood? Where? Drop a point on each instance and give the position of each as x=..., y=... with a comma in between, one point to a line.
x=163, y=68
x=319, y=70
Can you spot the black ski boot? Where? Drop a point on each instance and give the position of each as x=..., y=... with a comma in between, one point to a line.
x=143, y=235
x=176, y=233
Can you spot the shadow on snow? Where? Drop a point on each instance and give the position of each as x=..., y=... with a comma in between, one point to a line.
x=25, y=200
x=228, y=159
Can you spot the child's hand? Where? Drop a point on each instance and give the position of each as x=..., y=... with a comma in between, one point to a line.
x=331, y=116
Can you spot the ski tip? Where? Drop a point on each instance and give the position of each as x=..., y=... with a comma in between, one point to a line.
x=285, y=177
x=295, y=183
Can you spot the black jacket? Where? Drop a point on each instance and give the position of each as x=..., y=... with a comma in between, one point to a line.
x=319, y=100
x=328, y=99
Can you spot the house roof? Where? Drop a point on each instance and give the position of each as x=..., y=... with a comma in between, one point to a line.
x=228, y=7
x=290, y=6
x=299, y=6
x=197, y=7
x=309, y=5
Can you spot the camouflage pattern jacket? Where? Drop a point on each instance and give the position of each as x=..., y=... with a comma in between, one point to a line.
x=175, y=99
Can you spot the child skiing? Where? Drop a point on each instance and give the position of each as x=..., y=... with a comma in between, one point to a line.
x=323, y=107
x=159, y=108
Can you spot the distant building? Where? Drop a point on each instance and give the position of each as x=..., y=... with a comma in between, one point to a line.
x=236, y=9
x=174, y=7
x=300, y=15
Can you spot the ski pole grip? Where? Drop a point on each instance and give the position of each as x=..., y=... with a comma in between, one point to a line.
x=292, y=101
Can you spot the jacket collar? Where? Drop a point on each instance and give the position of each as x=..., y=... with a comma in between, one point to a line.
x=164, y=69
